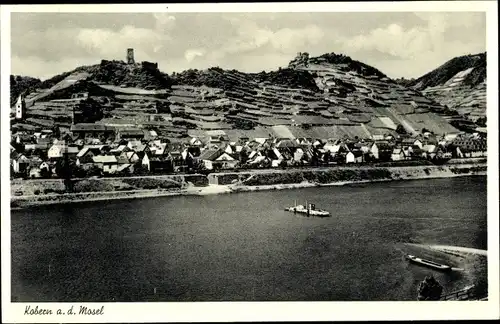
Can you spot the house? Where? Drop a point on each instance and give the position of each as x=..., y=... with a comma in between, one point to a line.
x=45, y=141
x=359, y=156
x=125, y=169
x=24, y=138
x=58, y=150
x=35, y=172
x=44, y=166
x=258, y=159
x=119, y=150
x=382, y=150
x=33, y=147
x=20, y=163
x=350, y=158
x=133, y=157
x=337, y=148
x=411, y=142
x=429, y=151
x=158, y=148
x=195, y=142
x=107, y=163
x=398, y=154
x=152, y=134
x=122, y=159
x=225, y=161
x=276, y=157
x=85, y=156
x=408, y=152
x=416, y=152
x=230, y=149
x=209, y=158
x=156, y=164
x=136, y=146
x=303, y=141
x=176, y=159
x=130, y=134
x=91, y=130
x=287, y=143
x=471, y=146
x=298, y=155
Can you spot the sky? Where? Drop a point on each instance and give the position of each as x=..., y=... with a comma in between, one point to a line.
x=400, y=44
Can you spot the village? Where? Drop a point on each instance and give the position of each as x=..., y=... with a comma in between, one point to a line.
x=81, y=129
x=90, y=150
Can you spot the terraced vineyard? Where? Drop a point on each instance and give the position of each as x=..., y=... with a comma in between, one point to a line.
x=459, y=84
x=331, y=96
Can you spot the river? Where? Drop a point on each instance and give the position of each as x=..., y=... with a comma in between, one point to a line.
x=244, y=246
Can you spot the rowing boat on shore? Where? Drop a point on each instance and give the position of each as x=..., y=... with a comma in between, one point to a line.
x=428, y=263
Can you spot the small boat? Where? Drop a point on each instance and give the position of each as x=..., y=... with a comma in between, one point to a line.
x=428, y=263
x=308, y=209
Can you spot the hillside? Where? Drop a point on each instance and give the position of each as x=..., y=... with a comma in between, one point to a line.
x=20, y=84
x=459, y=84
x=330, y=96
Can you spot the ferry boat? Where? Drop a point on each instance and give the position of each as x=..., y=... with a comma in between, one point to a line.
x=428, y=263
x=308, y=209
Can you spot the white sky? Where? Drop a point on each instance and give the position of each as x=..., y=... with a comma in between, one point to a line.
x=400, y=44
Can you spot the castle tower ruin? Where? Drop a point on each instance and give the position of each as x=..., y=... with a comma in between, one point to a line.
x=130, y=56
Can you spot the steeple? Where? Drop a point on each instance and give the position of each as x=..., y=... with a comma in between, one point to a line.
x=20, y=107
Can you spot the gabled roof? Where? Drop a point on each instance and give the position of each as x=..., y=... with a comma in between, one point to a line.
x=225, y=157
x=210, y=155
x=82, y=152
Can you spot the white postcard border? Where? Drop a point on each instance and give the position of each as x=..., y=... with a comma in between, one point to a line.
x=267, y=311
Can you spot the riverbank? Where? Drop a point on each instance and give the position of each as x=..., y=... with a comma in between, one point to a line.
x=471, y=263
x=28, y=193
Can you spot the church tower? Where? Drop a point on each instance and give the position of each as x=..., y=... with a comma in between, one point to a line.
x=130, y=56
x=20, y=107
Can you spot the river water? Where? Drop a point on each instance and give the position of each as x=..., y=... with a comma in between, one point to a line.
x=244, y=246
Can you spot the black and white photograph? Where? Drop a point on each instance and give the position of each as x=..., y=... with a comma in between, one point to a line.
x=161, y=156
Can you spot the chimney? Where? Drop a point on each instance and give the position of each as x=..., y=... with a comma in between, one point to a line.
x=130, y=56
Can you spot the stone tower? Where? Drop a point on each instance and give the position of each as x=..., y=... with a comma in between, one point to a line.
x=130, y=56
x=20, y=107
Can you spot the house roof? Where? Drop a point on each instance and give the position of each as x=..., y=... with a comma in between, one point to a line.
x=122, y=159
x=104, y=159
x=130, y=154
x=90, y=127
x=287, y=143
x=209, y=155
x=131, y=132
x=123, y=167
x=44, y=140
x=69, y=149
x=83, y=151
x=225, y=157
